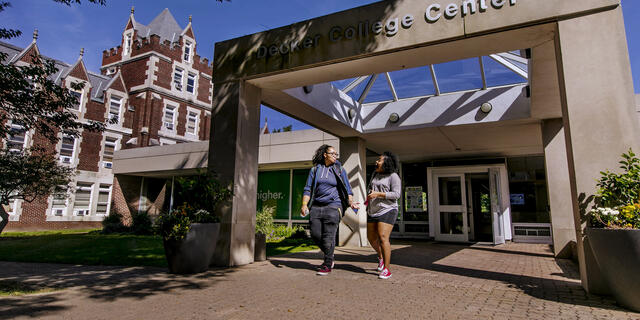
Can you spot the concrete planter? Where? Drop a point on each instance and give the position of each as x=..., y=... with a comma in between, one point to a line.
x=617, y=253
x=193, y=253
x=260, y=250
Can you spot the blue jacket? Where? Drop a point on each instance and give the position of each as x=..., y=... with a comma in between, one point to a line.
x=344, y=188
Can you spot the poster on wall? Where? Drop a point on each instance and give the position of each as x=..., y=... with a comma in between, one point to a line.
x=517, y=198
x=273, y=191
x=414, y=199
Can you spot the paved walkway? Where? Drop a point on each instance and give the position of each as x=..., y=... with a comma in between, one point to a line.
x=430, y=281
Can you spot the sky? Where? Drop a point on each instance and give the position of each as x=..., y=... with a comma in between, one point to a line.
x=64, y=30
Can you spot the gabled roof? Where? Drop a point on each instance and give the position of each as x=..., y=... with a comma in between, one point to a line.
x=98, y=81
x=10, y=50
x=164, y=25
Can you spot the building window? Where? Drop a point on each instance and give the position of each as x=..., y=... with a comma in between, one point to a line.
x=127, y=44
x=82, y=203
x=10, y=208
x=187, y=51
x=67, y=149
x=104, y=195
x=59, y=204
x=192, y=123
x=17, y=138
x=110, y=145
x=191, y=83
x=78, y=96
x=177, y=79
x=168, y=121
x=114, y=109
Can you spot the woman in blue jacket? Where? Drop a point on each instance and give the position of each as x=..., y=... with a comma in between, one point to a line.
x=326, y=196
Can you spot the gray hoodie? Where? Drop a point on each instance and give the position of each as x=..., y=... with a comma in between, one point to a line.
x=390, y=185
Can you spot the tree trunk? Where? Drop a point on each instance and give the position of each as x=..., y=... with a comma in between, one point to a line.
x=5, y=218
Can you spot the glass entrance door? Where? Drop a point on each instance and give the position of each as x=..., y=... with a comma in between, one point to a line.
x=497, y=218
x=450, y=208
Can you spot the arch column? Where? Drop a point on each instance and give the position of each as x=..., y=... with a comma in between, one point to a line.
x=598, y=114
x=233, y=157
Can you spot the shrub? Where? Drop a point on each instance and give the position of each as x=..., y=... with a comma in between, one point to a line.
x=617, y=202
x=264, y=220
x=113, y=223
x=141, y=224
x=200, y=195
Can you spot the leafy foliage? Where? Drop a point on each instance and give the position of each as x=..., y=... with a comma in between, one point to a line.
x=200, y=196
x=29, y=97
x=617, y=203
x=113, y=223
x=264, y=220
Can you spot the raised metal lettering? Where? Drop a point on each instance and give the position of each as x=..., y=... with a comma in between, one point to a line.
x=335, y=34
x=497, y=3
x=407, y=21
x=377, y=27
x=451, y=11
x=468, y=7
x=392, y=27
x=435, y=8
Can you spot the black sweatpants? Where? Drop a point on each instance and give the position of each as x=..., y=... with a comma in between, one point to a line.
x=324, y=222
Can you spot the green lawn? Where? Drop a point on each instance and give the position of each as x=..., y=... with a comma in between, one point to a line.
x=82, y=248
x=15, y=288
x=88, y=247
x=289, y=246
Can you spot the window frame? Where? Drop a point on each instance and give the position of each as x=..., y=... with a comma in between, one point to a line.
x=187, y=52
x=120, y=103
x=105, y=143
x=73, y=150
x=174, y=111
x=178, y=85
x=191, y=76
x=196, y=123
x=87, y=186
x=109, y=190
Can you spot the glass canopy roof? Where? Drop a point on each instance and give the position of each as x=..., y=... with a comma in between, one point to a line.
x=478, y=73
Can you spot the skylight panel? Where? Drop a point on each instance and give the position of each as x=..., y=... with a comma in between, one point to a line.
x=499, y=75
x=356, y=92
x=342, y=84
x=414, y=82
x=380, y=91
x=459, y=75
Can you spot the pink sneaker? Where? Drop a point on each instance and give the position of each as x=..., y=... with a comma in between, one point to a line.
x=385, y=274
x=380, y=264
x=324, y=271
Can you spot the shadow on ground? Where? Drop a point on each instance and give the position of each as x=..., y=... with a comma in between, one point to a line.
x=96, y=282
x=426, y=255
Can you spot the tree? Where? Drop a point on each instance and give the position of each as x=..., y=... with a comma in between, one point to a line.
x=30, y=98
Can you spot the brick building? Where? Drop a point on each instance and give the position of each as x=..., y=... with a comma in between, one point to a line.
x=158, y=91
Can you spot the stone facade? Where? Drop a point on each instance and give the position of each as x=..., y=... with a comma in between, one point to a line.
x=158, y=89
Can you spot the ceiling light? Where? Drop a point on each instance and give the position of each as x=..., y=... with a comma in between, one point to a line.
x=486, y=107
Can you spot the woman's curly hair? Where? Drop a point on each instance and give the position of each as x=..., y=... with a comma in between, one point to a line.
x=318, y=157
x=389, y=163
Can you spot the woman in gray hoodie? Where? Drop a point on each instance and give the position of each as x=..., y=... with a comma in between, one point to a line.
x=382, y=209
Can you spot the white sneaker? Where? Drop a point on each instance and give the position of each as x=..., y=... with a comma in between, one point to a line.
x=385, y=274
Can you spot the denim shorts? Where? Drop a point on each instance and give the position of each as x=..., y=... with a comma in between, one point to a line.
x=388, y=218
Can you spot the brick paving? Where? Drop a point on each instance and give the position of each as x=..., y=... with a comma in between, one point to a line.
x=430, y=281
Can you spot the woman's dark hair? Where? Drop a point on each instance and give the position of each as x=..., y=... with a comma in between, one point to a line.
x=318, y=157
x=389, y=163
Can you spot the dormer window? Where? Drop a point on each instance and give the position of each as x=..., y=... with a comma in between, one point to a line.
x=128, y=39
x=78, y=103
x=188, y=46
x=114, y=109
